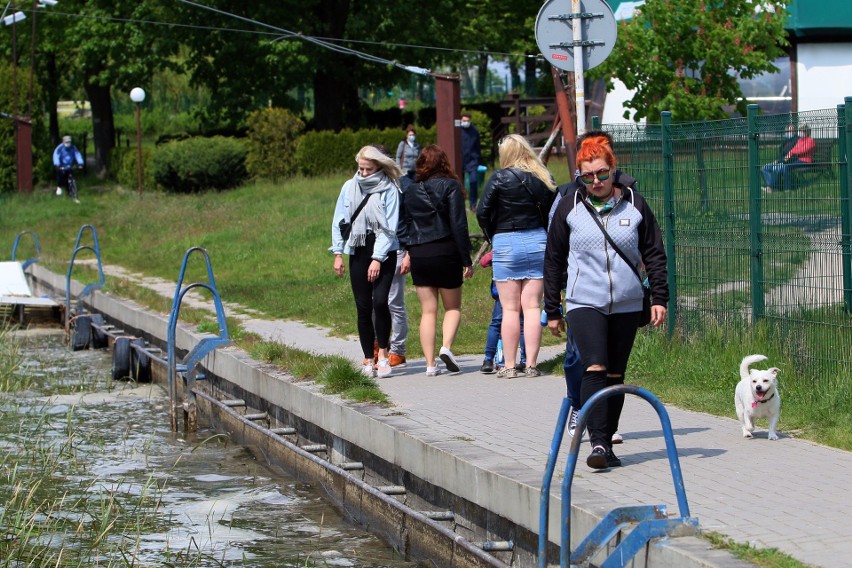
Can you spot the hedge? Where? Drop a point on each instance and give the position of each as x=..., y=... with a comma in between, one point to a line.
x=197, y=164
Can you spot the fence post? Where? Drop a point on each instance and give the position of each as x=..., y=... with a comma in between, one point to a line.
x=668, y=209
x=758, y=301
x=844, y=143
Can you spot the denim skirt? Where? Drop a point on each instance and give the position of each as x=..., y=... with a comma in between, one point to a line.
x=519, y=255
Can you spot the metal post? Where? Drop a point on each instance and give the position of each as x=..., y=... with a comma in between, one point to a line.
x=668, y=221
x=139, y=145
x=448, y=121
x=566, y=119
x=844, y=146
x=758, y=301
x=579, y=79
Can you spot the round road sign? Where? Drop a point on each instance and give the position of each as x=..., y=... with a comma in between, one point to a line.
x=554, y=32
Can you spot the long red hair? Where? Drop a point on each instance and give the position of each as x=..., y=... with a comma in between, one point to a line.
x=595, y=148
x=434, y=162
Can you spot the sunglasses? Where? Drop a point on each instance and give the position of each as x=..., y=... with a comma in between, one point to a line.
x=589, y=178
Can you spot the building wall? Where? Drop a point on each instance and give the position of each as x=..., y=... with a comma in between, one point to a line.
x=823, y=74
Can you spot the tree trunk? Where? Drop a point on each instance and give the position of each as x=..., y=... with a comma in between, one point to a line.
x=515, y=74
x=333, y=86
x=103, y=125
x=52, y=98
x=530, y=87
x=481, y=74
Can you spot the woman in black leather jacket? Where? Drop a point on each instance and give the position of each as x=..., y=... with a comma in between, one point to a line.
x=433, y=228
x=513, y=215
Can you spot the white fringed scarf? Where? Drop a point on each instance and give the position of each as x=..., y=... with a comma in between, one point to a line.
x=372, y=216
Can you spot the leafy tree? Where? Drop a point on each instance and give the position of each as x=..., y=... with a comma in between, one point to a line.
x=685, y=56
x=108, y=46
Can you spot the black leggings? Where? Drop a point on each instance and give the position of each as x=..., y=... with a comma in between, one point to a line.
x=372, y=297
x=604, y=340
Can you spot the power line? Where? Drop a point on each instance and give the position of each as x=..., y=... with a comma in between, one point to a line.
x=326, y=42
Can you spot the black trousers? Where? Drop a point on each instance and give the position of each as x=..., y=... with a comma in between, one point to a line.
x=371, y=297
x=604, y=340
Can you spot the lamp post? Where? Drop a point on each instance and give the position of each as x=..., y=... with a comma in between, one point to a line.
x=137, y=95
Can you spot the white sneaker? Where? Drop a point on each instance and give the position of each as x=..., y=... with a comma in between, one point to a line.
x=572, y=422
x=432, y=371
x=58, y=191
x=367, y=369
x=383, y=368
x=617, y=439
x=449, y=360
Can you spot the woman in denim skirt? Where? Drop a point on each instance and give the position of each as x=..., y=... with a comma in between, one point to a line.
x=513, y=215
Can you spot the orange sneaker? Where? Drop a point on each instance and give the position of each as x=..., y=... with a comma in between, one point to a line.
x=396, y=360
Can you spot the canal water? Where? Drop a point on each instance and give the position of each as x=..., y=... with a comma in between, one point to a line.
x=107, y=483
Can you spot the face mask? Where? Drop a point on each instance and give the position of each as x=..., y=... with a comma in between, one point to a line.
x=411, y=139
x=465, y=124
x=790, y=135
x=67, y=144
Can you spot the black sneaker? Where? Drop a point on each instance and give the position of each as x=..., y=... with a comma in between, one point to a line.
x=597, y=459
x=487, y=367
x=520, y=367
x=612, y=460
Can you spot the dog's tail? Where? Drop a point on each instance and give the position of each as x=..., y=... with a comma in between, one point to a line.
x=749, y=360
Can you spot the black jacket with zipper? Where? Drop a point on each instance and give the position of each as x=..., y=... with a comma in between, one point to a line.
x=433, y=210
x=507, y=206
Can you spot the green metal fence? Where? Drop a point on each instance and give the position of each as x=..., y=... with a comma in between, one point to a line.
x=739, y=255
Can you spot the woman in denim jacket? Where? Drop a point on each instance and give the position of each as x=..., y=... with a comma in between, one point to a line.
x=372, y=248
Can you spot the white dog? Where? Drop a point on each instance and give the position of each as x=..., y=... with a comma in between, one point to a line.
x=757, y=396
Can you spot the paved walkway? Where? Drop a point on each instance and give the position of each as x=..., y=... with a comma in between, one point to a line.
x=791, y=494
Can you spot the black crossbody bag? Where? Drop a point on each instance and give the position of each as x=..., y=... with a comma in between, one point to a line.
x=346, y=228
x=646, y=298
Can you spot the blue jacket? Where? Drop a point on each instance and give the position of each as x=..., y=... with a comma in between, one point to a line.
x=386, y=241
x=65, y=157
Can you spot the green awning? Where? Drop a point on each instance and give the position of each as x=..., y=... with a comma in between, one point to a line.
x=808, y=18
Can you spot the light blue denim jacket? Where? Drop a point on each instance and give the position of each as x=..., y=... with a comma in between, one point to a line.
x=386, y=241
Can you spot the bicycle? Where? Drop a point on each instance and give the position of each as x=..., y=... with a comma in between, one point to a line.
x=70, y=183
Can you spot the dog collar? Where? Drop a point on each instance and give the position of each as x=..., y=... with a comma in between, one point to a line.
x=756, y=402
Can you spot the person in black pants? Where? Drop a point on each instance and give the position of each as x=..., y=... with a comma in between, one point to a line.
x=368, y=205
x=599, y=236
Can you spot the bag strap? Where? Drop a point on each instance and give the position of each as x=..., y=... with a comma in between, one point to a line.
x=537, y=203
x=360, y=206
x=617, y=250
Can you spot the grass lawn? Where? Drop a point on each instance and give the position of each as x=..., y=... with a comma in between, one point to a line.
x=268, y=247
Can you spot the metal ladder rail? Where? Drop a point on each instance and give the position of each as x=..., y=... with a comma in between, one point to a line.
x=29, y=261
x=652, y=519
x=202, y=349
x=89, y=288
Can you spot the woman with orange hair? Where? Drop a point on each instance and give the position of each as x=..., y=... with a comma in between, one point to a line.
x=599, y=236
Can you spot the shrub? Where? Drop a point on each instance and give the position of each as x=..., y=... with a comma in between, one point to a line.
x=325, y=152
x=272, y=143
x=123, y=165
x=197, y=164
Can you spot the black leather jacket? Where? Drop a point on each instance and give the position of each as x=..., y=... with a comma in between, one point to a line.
x=434, y=210
x=507, y=206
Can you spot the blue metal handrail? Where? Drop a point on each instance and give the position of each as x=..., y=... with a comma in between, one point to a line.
x=29, y=261
x=204, y=346
x=88, y=288
x=653, y=519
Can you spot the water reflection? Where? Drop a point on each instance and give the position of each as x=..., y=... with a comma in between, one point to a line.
x=153, y=496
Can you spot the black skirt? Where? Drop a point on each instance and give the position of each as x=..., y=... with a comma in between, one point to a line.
x=436, y=265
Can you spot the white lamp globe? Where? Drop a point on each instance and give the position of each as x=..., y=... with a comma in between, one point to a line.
x=137, y=95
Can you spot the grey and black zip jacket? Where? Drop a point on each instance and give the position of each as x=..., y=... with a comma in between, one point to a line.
x=597, y=277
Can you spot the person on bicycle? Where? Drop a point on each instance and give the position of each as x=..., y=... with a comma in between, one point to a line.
x=64, y=157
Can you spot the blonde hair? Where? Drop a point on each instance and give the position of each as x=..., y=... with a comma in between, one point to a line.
x=516, y=152
x=387, y=164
